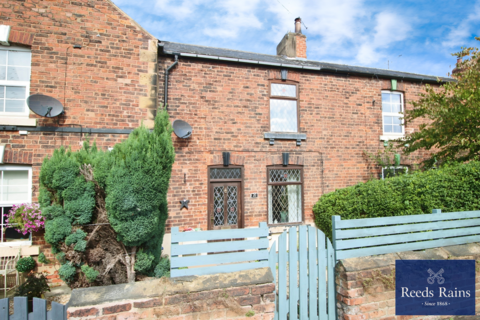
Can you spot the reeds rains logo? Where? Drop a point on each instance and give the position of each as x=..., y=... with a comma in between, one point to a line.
x=435, y=287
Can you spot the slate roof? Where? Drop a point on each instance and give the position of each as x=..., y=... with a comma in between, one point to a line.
x=211, y=53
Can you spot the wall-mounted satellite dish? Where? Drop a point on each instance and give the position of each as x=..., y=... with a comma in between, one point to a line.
x=182, y=129
x=44, y=106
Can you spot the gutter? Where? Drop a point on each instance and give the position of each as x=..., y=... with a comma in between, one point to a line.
x=165, y=101
x=67, y=130
x=328, y=69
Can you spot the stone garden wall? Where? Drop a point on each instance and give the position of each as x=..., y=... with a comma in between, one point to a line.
x=238, y=295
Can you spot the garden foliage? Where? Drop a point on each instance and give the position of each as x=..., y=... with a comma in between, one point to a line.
x=25, y=264
x=106, y=211
x=454, y=187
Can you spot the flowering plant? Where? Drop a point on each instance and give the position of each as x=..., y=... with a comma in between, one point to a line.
x=25, y=218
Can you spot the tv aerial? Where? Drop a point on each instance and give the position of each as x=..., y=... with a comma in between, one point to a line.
x=182, y=129
x=45, y=106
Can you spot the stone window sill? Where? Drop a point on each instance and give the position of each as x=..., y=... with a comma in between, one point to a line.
x=285, y=136
x=18, y=121
x=27, y=250
x=391, y=137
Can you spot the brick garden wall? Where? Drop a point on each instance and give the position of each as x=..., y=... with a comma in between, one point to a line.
x=239, y=295
x=366, y=286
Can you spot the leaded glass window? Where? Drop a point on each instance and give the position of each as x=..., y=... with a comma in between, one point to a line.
x=284, y=195
x=225, y=173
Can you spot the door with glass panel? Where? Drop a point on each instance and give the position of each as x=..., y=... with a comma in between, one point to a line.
x=225, y=198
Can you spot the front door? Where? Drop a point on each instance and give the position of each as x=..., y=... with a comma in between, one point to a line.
x=225, y=199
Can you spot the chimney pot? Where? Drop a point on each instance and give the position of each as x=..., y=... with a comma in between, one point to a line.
x=298, y=25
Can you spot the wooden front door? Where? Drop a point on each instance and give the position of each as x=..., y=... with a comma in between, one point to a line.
x=225, y=199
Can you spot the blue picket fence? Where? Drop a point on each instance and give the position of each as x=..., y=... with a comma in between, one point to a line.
x=196, y=253
x=372, y=236
x=20, y=307
x=306, y=258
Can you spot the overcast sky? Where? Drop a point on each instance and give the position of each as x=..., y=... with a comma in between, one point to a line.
x=407, y=35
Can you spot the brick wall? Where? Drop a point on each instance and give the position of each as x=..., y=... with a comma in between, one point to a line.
x=109, y=83
x=227, y=296
x=366, y=286
x=227, y=105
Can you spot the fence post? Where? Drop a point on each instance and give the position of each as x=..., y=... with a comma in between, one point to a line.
x=436, y=210
x=4, y=308
x=335, y=219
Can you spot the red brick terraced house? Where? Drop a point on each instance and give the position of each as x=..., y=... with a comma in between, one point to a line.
x=269, y=134
x=89, y=55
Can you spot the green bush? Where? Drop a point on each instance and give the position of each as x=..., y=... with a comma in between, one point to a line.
x=90, y=273
x=42, y=258
x=163, y=268
x=78, y=235
x=67, y=272
x=34, y=286
x=452, y=188
x=61, y=257
x=25, y=264
x=144, y=262
x=126, y=188
x=80, y=246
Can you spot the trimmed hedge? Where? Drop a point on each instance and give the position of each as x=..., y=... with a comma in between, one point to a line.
x=455, y=187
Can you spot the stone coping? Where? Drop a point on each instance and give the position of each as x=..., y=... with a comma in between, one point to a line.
x=469, y=250
x=168, y=286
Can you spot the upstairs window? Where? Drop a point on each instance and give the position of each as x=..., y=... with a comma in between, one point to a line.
x=15, y=66
x=283, y=107
x=392, y=109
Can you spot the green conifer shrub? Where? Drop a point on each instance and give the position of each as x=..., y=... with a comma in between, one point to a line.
x=453, y=188
x=67, y=272
x=163, y=268
x=90, y=273
x=114, y=202
x=42, y=258
x=25, y=264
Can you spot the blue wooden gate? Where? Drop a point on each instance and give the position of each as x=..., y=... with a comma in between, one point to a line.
x=304, y=266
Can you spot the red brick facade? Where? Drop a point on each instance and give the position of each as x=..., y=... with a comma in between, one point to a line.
x=111, y=83
x=227, y=105
x=105, y=84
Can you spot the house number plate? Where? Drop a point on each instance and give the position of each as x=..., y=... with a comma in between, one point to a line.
x=254, y=195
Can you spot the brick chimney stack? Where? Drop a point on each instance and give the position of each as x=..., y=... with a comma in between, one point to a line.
x=294, y=45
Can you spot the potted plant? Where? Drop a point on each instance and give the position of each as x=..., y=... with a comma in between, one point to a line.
x=34, y=287
x=25, y=218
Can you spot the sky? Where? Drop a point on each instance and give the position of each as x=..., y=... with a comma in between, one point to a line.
x=415, y=36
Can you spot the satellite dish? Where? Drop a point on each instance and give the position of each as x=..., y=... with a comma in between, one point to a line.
x=44, y=106
x=182, y=129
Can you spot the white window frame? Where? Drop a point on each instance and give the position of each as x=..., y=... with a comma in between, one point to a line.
x=8, y=203
x=12, y=83
x=393, y=167
x=286, y=98
x=393, y=135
